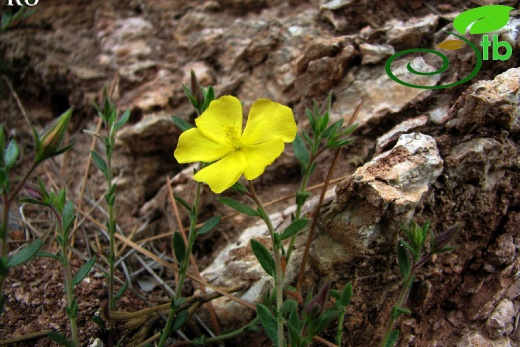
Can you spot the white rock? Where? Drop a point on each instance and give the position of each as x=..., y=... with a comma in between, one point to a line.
x=371, y=205
x=500, y=321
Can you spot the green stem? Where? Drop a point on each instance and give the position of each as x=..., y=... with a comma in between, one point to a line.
x=111, y=233
x=191, y=241
x=277, y=260
x=183, y=269
x=4, y=236
x=399, y=303
x=340, y=326
x=69, y=289
x=28, y=173
x=303, y=188
x=168, y=326
x=232, y=334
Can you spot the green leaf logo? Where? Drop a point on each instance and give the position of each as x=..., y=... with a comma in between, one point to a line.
x=486, y=19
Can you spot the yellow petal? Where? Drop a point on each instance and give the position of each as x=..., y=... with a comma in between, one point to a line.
x=224, y=173
x=267, y=121
x=222, y=121
x=194, y=146
x=260, y=156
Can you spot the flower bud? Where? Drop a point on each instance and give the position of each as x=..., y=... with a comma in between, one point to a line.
x=196, y=90
x=442, y=240
x=34, y=192
x=48, y=144
x=317, y=305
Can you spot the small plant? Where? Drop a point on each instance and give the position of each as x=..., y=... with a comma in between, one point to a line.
x=218, y=139
x=200, y=98
x=308, y=146
x=108, y=113
x=416, y=236
x=46, y=146
x=64, y=213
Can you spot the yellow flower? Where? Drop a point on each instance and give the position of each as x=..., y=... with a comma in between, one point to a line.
x=218, y=138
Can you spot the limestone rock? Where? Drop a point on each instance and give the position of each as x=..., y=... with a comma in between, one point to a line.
x=407, y=126
x=409, y=34
x=380, y=196
x=500, y=321
x=155, y=133
x=475, y=339
x=381, y=94
x=373, y=54
x=488, y=104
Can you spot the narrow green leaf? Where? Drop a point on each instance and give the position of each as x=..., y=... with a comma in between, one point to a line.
x=398, y=311
x=264, y=257
x=346, y=295
x=340, y=143
x=407, y=246
x=332, y=130
x=294, y=227
x=63, y=149
x=239, y=188
x=112, y=190
x=25, y=254
x=99, y=321
x=179, y=302
x=288, y=306
x=122, y=121
x=181, y=123
x=209, y=225
x=99, y=162
x=403, y=260
x=307, y=138
x=268, y=322
x=72, y=311
x=121, y=291
x=302, y=197
x=190, y=96
x=83, y=272
x=37, y=141
x=312, y=119
x=182, y=202
x=301, y=151
x=44, y=254
x=179, y=248
x=68, y=217
x=294, y=328
x=59, y=338
x=33, y=201
x=323, y=121
x=349, y=130
x=11, y=154
x=209, y=96
x=392, y=338
x=180, y=320
x=239, y=206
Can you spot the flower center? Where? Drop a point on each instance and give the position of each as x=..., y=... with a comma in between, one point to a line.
x=233, y=138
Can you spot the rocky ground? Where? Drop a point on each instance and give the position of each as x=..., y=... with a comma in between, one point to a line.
x=448, y=155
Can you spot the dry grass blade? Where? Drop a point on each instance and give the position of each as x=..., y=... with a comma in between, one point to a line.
x=167, y=264
x=270, y=203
